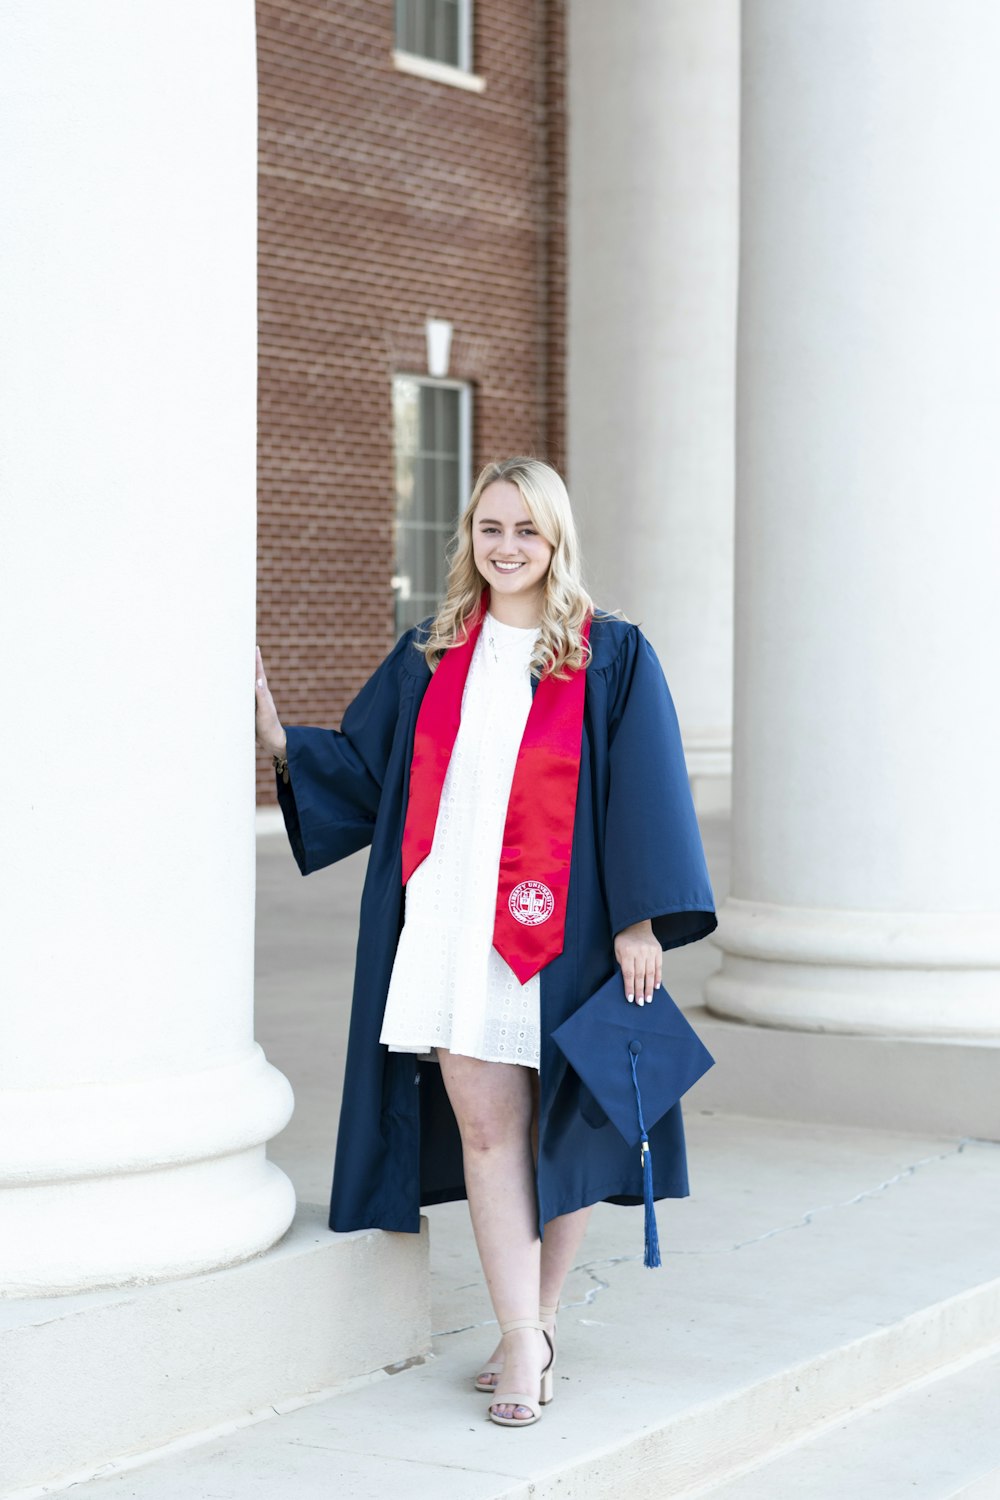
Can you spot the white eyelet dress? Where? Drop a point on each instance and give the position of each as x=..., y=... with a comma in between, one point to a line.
x=449, y=986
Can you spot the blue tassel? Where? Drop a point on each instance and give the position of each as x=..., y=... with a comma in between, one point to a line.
x=651, y=1257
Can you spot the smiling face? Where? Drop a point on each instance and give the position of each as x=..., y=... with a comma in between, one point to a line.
x=509, y=551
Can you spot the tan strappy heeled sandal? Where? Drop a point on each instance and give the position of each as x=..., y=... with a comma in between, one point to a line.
x=548, y=1315
x=495, y=1367
x=518, y=1398
x=488, y=1386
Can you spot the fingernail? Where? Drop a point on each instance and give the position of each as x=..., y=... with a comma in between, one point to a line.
x=630, y=998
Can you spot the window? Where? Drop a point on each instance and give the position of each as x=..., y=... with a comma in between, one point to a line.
x=440, y=30
x=432, y=425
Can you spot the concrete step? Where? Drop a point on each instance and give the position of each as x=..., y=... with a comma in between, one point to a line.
x=88, y=1379
x=936, y=1086
x=815, y=1270
x=938, y=1439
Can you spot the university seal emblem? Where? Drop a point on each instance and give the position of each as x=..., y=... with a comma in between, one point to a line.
x=531, y=902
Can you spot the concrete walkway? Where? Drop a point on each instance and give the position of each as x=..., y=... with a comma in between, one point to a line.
x=829, y=1303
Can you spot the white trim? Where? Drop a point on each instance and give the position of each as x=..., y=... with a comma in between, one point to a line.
x=465, y=35
x=427, y=67
x=454, y=382
x=438, y=332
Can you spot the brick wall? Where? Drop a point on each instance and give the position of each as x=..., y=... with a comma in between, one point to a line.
x=385, y=199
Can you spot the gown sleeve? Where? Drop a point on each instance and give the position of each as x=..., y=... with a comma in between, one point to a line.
x=654, y=859
x=331, y=799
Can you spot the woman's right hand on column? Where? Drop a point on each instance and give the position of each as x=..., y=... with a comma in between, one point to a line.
x=270, y=735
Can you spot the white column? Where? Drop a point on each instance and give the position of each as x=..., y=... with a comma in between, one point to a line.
x=653, y=91
x=866, y=883
x=134, y=1103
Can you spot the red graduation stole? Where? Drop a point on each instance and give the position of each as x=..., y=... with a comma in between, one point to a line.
x=530, y=925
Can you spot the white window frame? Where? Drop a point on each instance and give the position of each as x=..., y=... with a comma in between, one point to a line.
x=459, y=75
x=464, y=388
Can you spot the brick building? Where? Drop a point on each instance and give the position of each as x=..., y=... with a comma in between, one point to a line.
x=412, y=170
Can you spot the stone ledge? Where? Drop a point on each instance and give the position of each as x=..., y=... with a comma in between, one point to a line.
x=878, y=1082
x=93, y=1377
x=937, y=1437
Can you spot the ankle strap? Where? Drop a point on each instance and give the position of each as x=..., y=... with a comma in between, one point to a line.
x=521, y=1323
x=548, y=1314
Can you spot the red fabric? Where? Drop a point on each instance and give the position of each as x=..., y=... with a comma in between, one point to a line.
x=533, y=882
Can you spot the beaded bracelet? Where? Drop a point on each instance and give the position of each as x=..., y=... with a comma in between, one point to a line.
x=281, y=766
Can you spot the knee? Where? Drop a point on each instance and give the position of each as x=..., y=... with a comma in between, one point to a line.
x=483, y=1133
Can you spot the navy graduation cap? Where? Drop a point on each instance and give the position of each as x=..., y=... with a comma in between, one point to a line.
x=637, y=1061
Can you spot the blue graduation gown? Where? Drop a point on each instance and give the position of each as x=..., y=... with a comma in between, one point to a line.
x=637, y=853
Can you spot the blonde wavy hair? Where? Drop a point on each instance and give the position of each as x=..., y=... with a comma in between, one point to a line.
x=560, y=647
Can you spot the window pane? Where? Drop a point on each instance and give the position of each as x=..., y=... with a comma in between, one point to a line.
x=429, y=28
x=426, y=487
x=428, y=444
x=420, y=26
x=432, y=573
x=428, y=410
x=447, y=493
x=436, y=422
x=448, y=31
x=406, y=559
x=448, y=440
x=405, y=34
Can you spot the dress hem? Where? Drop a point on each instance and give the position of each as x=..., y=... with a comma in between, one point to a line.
x=429, y=1053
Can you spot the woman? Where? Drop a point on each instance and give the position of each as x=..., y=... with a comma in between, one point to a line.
x=516, y=766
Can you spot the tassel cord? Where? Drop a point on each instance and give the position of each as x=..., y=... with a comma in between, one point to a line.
x=651, y=1256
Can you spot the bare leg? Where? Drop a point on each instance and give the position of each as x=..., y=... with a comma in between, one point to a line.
x=493, y=1107
x=563, y=1237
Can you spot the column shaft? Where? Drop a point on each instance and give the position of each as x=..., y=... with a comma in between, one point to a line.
x=866, y=891
x=134, y=1103
x=652, y=234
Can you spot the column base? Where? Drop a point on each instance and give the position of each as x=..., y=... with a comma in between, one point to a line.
x=103, y=1375
x=121, y=1183
x=927, y=974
